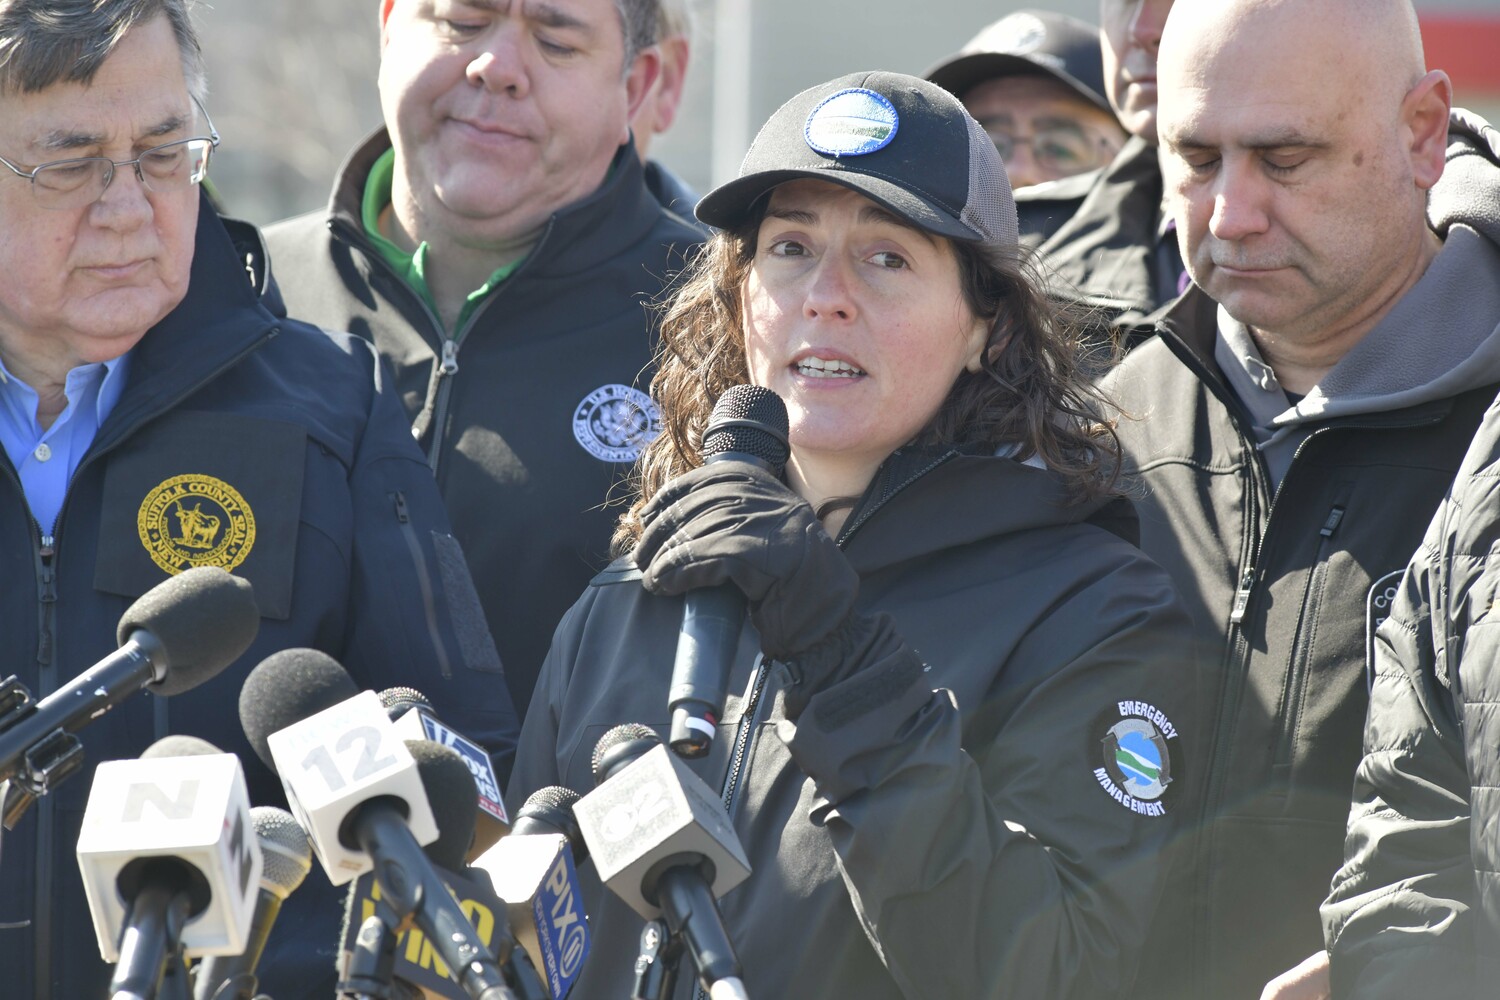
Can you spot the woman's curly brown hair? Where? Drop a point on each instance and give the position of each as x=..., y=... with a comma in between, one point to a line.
x=1031, y=393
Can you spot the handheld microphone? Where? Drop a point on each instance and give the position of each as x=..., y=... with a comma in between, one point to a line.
x=174, y=637
x=416, y=719
x=662, y=842
x=168, y=859
x=533, y=870
x=334, y=761
x=749, y=424
x=287, y=859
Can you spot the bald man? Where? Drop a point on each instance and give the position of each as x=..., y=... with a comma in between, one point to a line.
x=1300, y=414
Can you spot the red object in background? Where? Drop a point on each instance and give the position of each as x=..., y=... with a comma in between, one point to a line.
x=1467, y=46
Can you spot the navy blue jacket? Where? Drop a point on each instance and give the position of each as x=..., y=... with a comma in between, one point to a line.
x=267, y=445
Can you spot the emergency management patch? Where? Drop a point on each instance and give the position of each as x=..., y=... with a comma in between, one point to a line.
x=1138, y=755
x=852, y=123
x=614, y=423
x=195, y=520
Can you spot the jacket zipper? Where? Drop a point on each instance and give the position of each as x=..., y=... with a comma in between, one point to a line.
x=45, y=817
x=1300, y=662
x=435, y=409
x=441, y=398
x=424, y=582
x=46, y=583
x=1231, y=661
x=849, y=529
x=748, y=723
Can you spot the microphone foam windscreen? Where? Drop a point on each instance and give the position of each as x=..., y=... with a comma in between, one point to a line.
x=285, y=847
x=550, y=810
x=749, y=419
x=620, y=746
x=287, y=687
x=204, y=619
x=454, y=799
x=180, y=746
x=400, y=700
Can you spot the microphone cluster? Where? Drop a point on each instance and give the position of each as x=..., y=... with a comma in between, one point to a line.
x=392, y=802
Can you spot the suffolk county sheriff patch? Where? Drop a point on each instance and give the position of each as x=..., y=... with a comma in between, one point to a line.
x=615, y=422
x=1138, y=753
x=195, y=520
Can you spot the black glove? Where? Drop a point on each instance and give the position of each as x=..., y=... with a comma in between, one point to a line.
x=735, y=522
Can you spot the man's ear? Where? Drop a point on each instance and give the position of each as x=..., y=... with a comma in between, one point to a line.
x=674, y=64
x=385, y=16
x=1424, y=113
x=643, y=73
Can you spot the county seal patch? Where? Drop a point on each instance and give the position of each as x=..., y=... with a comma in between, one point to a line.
x=1138, y=755
x=615, y=422
x=195, y=520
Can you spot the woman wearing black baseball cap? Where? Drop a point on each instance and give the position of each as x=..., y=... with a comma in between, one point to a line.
x=956, y=744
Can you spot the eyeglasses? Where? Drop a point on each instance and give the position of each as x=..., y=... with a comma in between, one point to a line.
x=75, y=183
x=1064, y=149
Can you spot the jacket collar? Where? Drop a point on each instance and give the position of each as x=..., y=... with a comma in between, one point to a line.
x=1103, y=254
x=221, y=319
x=579, y=237
x=956, y=497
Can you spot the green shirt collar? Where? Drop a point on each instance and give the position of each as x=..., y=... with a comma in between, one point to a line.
x=412, y=266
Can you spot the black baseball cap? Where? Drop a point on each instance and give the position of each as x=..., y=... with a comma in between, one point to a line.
x=899, y=140
x=1030, y=43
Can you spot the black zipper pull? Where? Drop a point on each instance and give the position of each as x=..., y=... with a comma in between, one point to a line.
x=401, y=514
x=47, y=579
x=1331, y=523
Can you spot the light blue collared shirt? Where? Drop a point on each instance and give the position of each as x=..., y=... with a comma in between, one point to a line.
x=47, y=459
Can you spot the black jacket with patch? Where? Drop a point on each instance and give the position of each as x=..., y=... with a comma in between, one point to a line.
x=248, y=440
x=974, y=837
x=534, y=411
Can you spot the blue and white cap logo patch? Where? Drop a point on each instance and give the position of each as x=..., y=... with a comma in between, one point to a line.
x=852, y=123
x=1137, y=749
x=615, y=422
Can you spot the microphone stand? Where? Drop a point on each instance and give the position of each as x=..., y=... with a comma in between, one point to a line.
x=152, y=935
x=369, y=974
x=408, y=882
x=656, y=966
x=683, y=896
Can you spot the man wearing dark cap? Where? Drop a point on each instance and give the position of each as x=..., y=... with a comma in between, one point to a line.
x=1035, y=81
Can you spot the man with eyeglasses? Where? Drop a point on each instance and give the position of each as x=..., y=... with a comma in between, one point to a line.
x=159, y=411
x=1035, y=81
